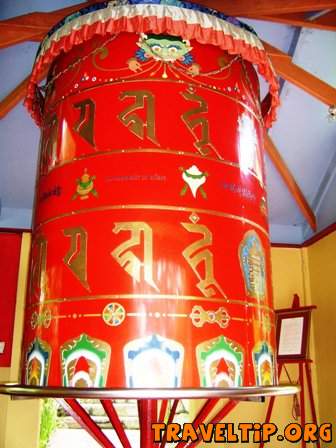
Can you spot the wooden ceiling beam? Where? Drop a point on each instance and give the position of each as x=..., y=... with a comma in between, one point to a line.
x=275, y=52
x=290, y=182
x=267, y=7
x=15, y=96
x=11, y=35
x=328, y=19
x=299, y=20
x=32, y=26
x=296, y=75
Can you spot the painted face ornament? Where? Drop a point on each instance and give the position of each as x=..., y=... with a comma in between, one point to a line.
x=164, y=48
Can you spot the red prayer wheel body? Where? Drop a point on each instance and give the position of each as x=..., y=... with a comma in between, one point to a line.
x=150, y=263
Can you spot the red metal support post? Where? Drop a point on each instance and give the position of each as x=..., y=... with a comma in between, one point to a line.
x=311, y=397
x=229, y=406
x=163, y=410
x=201, y=416
x=271, y=404
x=170, y=419
x=147, y=416
x=79, y=414
x=116, y=423
x=302, y=401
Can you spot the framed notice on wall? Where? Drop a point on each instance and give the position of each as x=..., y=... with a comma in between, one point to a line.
x=10, y=247
x=292, y=330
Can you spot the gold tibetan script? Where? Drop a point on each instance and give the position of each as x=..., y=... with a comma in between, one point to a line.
x=38, y=277
x=193, y=120
x=132, y=121
x=195, y=254
x=127, y=259
x=49, y=145
x=85, y=125
x=76, y=258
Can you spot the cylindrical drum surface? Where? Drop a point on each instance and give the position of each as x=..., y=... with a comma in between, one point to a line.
x=150, y=262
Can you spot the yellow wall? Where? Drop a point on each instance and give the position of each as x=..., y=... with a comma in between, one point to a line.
x=309, y=272
x=300, y=271
x=19, y=419
x=322, y=270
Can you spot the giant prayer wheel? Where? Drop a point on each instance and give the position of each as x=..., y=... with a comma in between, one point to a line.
x=150, y=260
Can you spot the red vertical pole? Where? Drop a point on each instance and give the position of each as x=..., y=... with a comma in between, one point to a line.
x=311, y=397
x=163, y=410
x=230, y=405
x=147, y=415
x=79, y=414
x=170, y=419
x=201, y=416
x=116, y=423
x=302, y=401
x=271, y=404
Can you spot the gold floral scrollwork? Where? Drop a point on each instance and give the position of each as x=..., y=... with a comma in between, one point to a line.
x=140, y=231
x=197, y=254
x=38, y=275
x=41, y=320
x=76, y=258
x=132, y=121
x=85, y=124
x=195, y=118
x=199, y=317
x=34, y=320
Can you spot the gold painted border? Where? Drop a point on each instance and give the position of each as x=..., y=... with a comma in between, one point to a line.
x=165, y=315
x=155, y=207
x=220, y=300
x=174, y=152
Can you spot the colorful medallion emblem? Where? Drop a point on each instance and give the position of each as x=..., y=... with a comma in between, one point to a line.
x=153, y=361
x=220, y=363
x=85, y=362
x=114, y=314
x=37, y=363
x=263, y=361
x=252, y=263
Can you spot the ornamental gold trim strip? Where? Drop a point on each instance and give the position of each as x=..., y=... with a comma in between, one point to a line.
x=220, y=300
x=153, y=150
x=164, y=315
x=155, y=207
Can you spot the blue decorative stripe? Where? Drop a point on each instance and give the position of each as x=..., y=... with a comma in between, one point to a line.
x=181, y=4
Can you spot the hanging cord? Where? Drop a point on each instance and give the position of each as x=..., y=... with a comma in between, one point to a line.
x=296, y=411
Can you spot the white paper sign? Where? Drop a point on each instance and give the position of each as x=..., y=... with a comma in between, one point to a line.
x=291, y=333
x=2, y=347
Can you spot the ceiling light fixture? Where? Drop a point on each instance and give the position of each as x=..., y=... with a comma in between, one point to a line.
x=332, y=112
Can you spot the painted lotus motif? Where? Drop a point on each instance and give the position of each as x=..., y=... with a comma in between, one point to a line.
x=37, y=363
x=85, y=362
x=220, y=363
x=153, y=361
